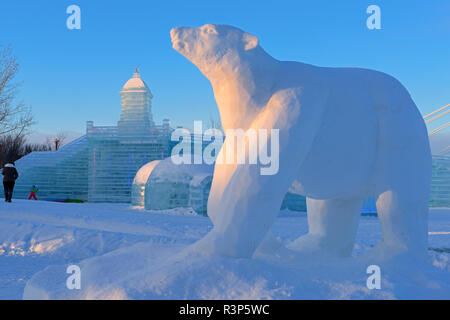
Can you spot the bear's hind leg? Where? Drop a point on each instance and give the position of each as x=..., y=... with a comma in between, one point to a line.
x=403, y=219
x=332, y=226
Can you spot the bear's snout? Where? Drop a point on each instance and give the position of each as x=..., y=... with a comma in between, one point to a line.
x=175, y=34
x=178, y=33
x=181, y=36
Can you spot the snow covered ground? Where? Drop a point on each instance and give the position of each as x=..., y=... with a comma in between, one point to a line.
x=127, y=252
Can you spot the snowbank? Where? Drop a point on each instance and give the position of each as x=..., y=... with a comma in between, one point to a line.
x=125, y=253
x=148, y=271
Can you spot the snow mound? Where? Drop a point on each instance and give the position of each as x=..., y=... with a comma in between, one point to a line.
x=144, y=172
x=167, y=171
x=179, y=211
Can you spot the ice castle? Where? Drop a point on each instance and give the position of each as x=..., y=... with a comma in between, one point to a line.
x=440, y=181
x=101, y=165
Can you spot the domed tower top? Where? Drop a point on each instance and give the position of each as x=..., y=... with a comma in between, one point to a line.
x=136, y=103
x=136, y=84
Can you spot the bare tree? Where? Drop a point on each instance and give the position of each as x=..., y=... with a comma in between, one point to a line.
x=12, y=147
x=56, y=141
x=60, y=139
x=15, y=117
x=31, y=147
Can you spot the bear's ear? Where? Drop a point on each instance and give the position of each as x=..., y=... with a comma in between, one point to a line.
x=250, y=41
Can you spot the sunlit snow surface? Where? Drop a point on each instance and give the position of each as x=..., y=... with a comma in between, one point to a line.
x=128, y=253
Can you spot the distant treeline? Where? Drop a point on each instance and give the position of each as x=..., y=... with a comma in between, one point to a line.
x=15, y=147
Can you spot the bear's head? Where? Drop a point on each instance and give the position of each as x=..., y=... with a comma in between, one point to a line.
x=206, y=46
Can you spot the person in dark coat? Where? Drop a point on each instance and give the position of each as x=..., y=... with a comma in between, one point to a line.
x=10, y=175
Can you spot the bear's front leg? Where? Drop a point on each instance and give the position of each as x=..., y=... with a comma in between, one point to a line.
x=253, y=193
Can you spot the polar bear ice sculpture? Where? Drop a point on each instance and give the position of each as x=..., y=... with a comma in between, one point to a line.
x=345, y=134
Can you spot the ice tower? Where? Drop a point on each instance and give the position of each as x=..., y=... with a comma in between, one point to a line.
x=136, y=104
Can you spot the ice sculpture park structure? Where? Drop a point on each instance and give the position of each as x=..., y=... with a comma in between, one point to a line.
x=161, y=184
x=114, y=164
x=101, y=165
x=172, y=186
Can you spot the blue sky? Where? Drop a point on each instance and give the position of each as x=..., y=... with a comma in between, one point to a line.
x=71, y=76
